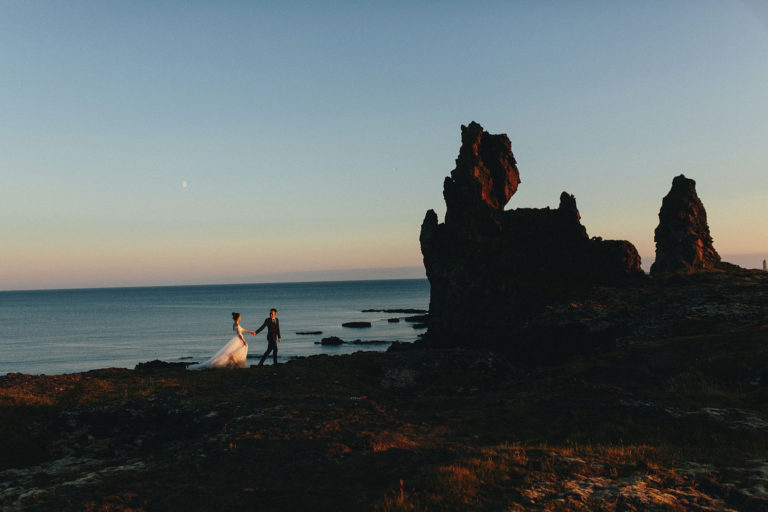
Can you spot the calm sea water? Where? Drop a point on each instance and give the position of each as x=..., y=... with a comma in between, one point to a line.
x=63, y=331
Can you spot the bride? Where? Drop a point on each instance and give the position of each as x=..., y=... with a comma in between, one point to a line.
x=231, y=355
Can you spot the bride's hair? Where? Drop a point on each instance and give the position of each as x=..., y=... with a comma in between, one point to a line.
x=235, y=316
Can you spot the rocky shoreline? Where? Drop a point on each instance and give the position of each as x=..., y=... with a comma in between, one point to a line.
x=670, y=416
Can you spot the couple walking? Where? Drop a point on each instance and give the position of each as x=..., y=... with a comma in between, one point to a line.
x=234, y=353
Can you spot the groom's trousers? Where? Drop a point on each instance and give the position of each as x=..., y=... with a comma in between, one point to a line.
x=271, y=347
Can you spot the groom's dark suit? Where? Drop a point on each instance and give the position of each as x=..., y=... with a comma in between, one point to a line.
x=273, y=334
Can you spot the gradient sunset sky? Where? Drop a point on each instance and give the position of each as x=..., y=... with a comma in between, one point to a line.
x=153, y=143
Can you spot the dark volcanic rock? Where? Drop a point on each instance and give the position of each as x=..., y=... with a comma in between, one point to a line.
x=335, y=340
x=356, y=325
x=490, y=270
x=399, y=346
x=160, y=365
x=683, y=242
x=307, y=333
x=486, y=174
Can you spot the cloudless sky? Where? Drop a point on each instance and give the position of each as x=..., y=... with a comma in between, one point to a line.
x=174, y=142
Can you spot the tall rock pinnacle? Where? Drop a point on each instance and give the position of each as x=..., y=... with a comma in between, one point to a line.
x=485, y=171
x=683, y=242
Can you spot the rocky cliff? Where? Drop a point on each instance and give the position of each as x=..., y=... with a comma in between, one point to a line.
x=683, y=242
x=492, y=270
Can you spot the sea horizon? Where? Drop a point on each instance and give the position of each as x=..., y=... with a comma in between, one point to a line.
x=255, y=283
x=311, y=276
x=80, y=329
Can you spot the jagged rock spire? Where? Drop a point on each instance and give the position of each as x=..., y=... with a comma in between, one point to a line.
x=683, y=242
x=486, y=174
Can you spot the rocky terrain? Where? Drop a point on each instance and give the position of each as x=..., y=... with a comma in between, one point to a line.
x=672, y=416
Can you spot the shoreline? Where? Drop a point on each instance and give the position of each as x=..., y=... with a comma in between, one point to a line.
x=88, y=329
x=361, y=345
x=460, y=428
x=674, y=415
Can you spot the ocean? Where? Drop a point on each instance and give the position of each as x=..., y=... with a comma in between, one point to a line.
x=65, y=331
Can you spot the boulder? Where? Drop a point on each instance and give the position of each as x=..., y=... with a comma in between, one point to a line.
x=157, y=364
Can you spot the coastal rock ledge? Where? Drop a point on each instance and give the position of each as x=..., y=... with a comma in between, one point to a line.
x=491, y=270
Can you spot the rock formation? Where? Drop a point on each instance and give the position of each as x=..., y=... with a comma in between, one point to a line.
x=491, y=270
x=485, y=178
x=682, y=237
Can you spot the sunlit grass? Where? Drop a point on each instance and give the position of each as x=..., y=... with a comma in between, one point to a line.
x=571, y=477
x=388, y=440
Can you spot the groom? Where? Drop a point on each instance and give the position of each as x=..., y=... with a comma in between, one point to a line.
x=273, y=335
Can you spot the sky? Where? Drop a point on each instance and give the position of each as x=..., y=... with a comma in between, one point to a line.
x=159, y=143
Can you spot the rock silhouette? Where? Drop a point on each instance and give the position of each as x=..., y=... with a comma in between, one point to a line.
x=486, y=175
x=489, y=269
x=683, y=242
x=356, y=325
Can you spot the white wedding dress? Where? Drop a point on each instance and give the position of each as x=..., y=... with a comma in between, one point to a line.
x=231, y=355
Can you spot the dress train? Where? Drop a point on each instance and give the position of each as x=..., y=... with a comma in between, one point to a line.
x=231, y=355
